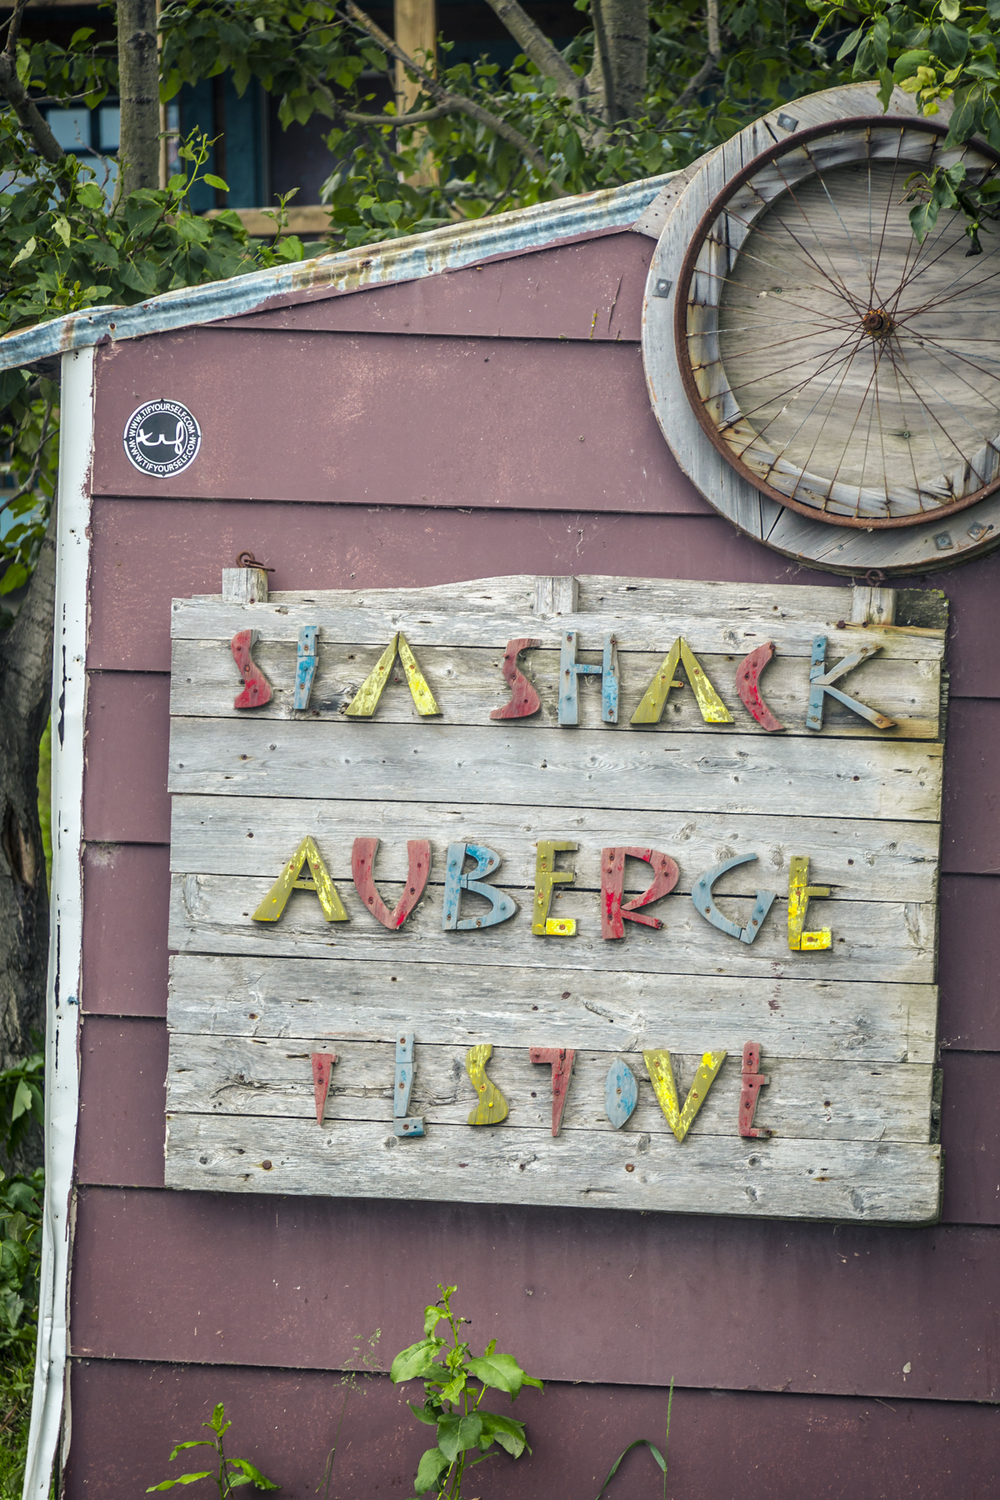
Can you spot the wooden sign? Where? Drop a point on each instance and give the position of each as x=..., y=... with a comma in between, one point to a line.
x=605, y=892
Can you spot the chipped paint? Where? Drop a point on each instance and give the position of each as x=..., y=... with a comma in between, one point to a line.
x=406, y=259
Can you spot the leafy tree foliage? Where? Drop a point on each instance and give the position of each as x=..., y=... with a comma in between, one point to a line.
x=935, y=50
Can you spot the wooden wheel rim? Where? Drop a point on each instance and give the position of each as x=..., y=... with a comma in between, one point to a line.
x=870, y=337
x=852, y=551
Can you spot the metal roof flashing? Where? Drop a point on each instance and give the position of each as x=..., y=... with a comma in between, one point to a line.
x=407, y=259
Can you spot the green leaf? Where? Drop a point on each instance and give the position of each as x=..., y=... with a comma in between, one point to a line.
x=950, y=9
x=966, y=117
x=922, y=221
x=993, y=9
x=429, y=1470
x=907, y=63
x=90, y=195
x=252, y=1475
x=212, y=181
x=416, y=1361
x=22, y=1100
x=12, y=383
x=15, y=576
x=195, y=1443
x=950, y=44
x=218, y=1421
x=168, y=1484
x=28, y=248
x=639, y=1443
x=426, y=1413
x=456, y=1434
x=505, y=1431
x=502, y=1372
x=849, y=44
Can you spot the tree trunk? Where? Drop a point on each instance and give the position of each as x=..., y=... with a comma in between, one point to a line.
x=139, y=90
x=625, y=24
x=25, y=690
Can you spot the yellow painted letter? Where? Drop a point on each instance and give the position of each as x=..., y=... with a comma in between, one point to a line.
x=799, y=892
x=661, y=1074
x=546, y=876
x=276, y=900
x=654, y=700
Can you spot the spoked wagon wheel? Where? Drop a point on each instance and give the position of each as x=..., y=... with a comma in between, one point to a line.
x=837, y=366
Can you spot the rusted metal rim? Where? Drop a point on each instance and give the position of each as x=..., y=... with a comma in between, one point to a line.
x=774, y=153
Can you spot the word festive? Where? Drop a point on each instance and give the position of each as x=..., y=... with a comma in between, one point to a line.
x=615, y=911
x=621, y=1087
x=524, y=700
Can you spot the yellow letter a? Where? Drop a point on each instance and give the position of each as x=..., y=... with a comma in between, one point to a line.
x=276, y=900
x=654, y=700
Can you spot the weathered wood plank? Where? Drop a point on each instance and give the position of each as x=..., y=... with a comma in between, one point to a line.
x=862, y=861
x=838, y=1180
x=645, y=614
x=809, y=1100
x=871, y=940
x=557, y=767
x=626, y=1011
x=468, y=684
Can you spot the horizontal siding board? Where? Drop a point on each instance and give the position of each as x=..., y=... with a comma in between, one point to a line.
x=123, y=1066
x=969, y=962
x=644, y=617
x=971, y=838
x=287, y=997
x=145, y=555
x=557, y=768
x=860, y=861
x=970, y=1134
x=592, y=290
x=873, y=941
x=468, y=684
x=126, y=909
x=833, y=1446
x=427, y=421
x=127, y=736
x=271, y=1079
x=853, y=1180
x=845, y=1307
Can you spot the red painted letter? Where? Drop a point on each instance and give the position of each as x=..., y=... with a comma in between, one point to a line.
x=363, y=870
x=747, y=674
x=560, y=1060
x=523, y=698
x=614, y=914
x=256, y=688
x=753, y=1082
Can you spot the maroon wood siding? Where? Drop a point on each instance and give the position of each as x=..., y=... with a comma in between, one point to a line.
x=415, y=435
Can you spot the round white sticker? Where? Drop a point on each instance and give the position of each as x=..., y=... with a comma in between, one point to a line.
x=161, y=438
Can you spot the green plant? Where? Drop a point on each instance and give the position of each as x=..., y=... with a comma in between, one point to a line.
x=350, y=1382
x=20, y=1261
x=661, y=1458
x=452, y=1399
x=231, y=1473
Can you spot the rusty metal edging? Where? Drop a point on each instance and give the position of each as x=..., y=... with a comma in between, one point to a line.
x=405, y=259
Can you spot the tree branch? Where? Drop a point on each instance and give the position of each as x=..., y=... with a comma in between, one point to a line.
x=27, y=111
x=711, y=62
x=16, y=94
x=418, y=117
x=604, y=57
x=451, y=103
x=15, y=27
x=535, y=45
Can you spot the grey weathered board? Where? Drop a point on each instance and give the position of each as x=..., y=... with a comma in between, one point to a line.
x=847, y=1035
